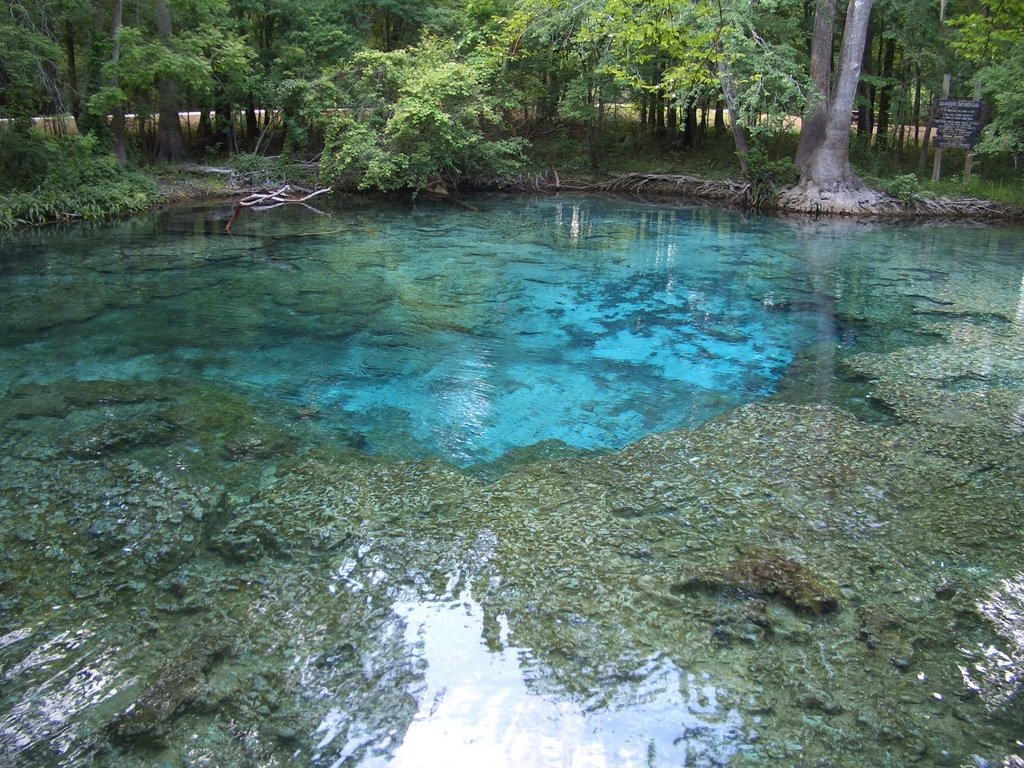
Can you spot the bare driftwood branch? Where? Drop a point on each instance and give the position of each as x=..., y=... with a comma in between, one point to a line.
x=265, y=201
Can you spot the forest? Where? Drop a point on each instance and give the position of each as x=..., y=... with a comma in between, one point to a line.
x=388, y=95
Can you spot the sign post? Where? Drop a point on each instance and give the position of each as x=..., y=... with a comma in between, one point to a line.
x=958, y=127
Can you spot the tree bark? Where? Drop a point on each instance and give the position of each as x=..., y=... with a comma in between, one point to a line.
x=690, y=131
x=170, y=144
x=813, y=126
x=76, y=96
x=739, y=135
x=829, y=162
x=866, y=109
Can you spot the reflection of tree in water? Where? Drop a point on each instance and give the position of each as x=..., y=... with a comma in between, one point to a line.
x=996, y=674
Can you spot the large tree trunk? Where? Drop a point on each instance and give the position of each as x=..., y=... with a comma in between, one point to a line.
x=813, y=124
x=117, y=118
x=827, y=185
x=170, y=143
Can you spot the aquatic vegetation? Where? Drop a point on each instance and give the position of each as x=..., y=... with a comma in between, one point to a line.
x=178, y=683
x=766, y=574
x=203, y=566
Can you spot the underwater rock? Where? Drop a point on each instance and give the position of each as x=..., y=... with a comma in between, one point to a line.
x=749, y=624
x=256, y=445
x=32, y=401
x=818, y=701
x=766, y=575
x=121, y=436
x=179, y=683
x=246, y=539
x=876, y=623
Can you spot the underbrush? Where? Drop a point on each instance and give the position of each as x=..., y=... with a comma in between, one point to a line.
x=898, y=172
x=623, y=147
x=52, y=179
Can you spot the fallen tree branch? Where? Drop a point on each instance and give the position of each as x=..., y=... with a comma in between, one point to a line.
x=265, y=201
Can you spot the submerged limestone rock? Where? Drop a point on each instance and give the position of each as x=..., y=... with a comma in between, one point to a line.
x=178, y=684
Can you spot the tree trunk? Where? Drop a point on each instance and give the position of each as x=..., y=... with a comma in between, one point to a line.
x=901, y=113
x=659, y=115
x=813, y=126
x=739, y=135
x=826, y=182
x=76, y=96
x=866, y=108
x=594, y=132
x=252, y=127
x=170, y=144
x=690, y=133
x=885, y=94
x=117, y=118
x=917, y=102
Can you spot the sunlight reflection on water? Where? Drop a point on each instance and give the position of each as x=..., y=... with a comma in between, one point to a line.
x=476, y=708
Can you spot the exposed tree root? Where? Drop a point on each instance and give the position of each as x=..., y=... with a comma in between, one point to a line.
x=647, y=184
x=856, y=199
x=722, y=190
x=846, y=199
x=965, y=208
x=862, y=200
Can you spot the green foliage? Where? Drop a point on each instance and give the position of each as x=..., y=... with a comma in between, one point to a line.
x=769, y=176
x=677, y=47
x=26, y=158
x=1009, y=191
x=146, y=61
x=1004, y=83
x=27, y=66
x=905, y=187
x=369, y=81
x=993, y=38
x=72, y=179
x=416, y=117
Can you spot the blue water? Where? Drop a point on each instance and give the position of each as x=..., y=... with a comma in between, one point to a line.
x=433, y=330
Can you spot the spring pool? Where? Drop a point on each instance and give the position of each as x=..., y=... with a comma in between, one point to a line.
x=438, y=331
x=560, y=481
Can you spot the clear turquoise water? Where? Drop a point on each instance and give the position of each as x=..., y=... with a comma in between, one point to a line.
x=440, y=331
x=565, y=481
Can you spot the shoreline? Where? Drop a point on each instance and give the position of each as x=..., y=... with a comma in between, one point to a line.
x=191, y=184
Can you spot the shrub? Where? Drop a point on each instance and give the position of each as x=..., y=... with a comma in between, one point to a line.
x=73, y=178
x=905, y=187
x=768, y=177
x=418, y=116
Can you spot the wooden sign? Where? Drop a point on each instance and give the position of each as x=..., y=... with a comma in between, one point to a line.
x=958, y=124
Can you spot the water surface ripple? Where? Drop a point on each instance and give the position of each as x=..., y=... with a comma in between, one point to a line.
x=562, y=482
